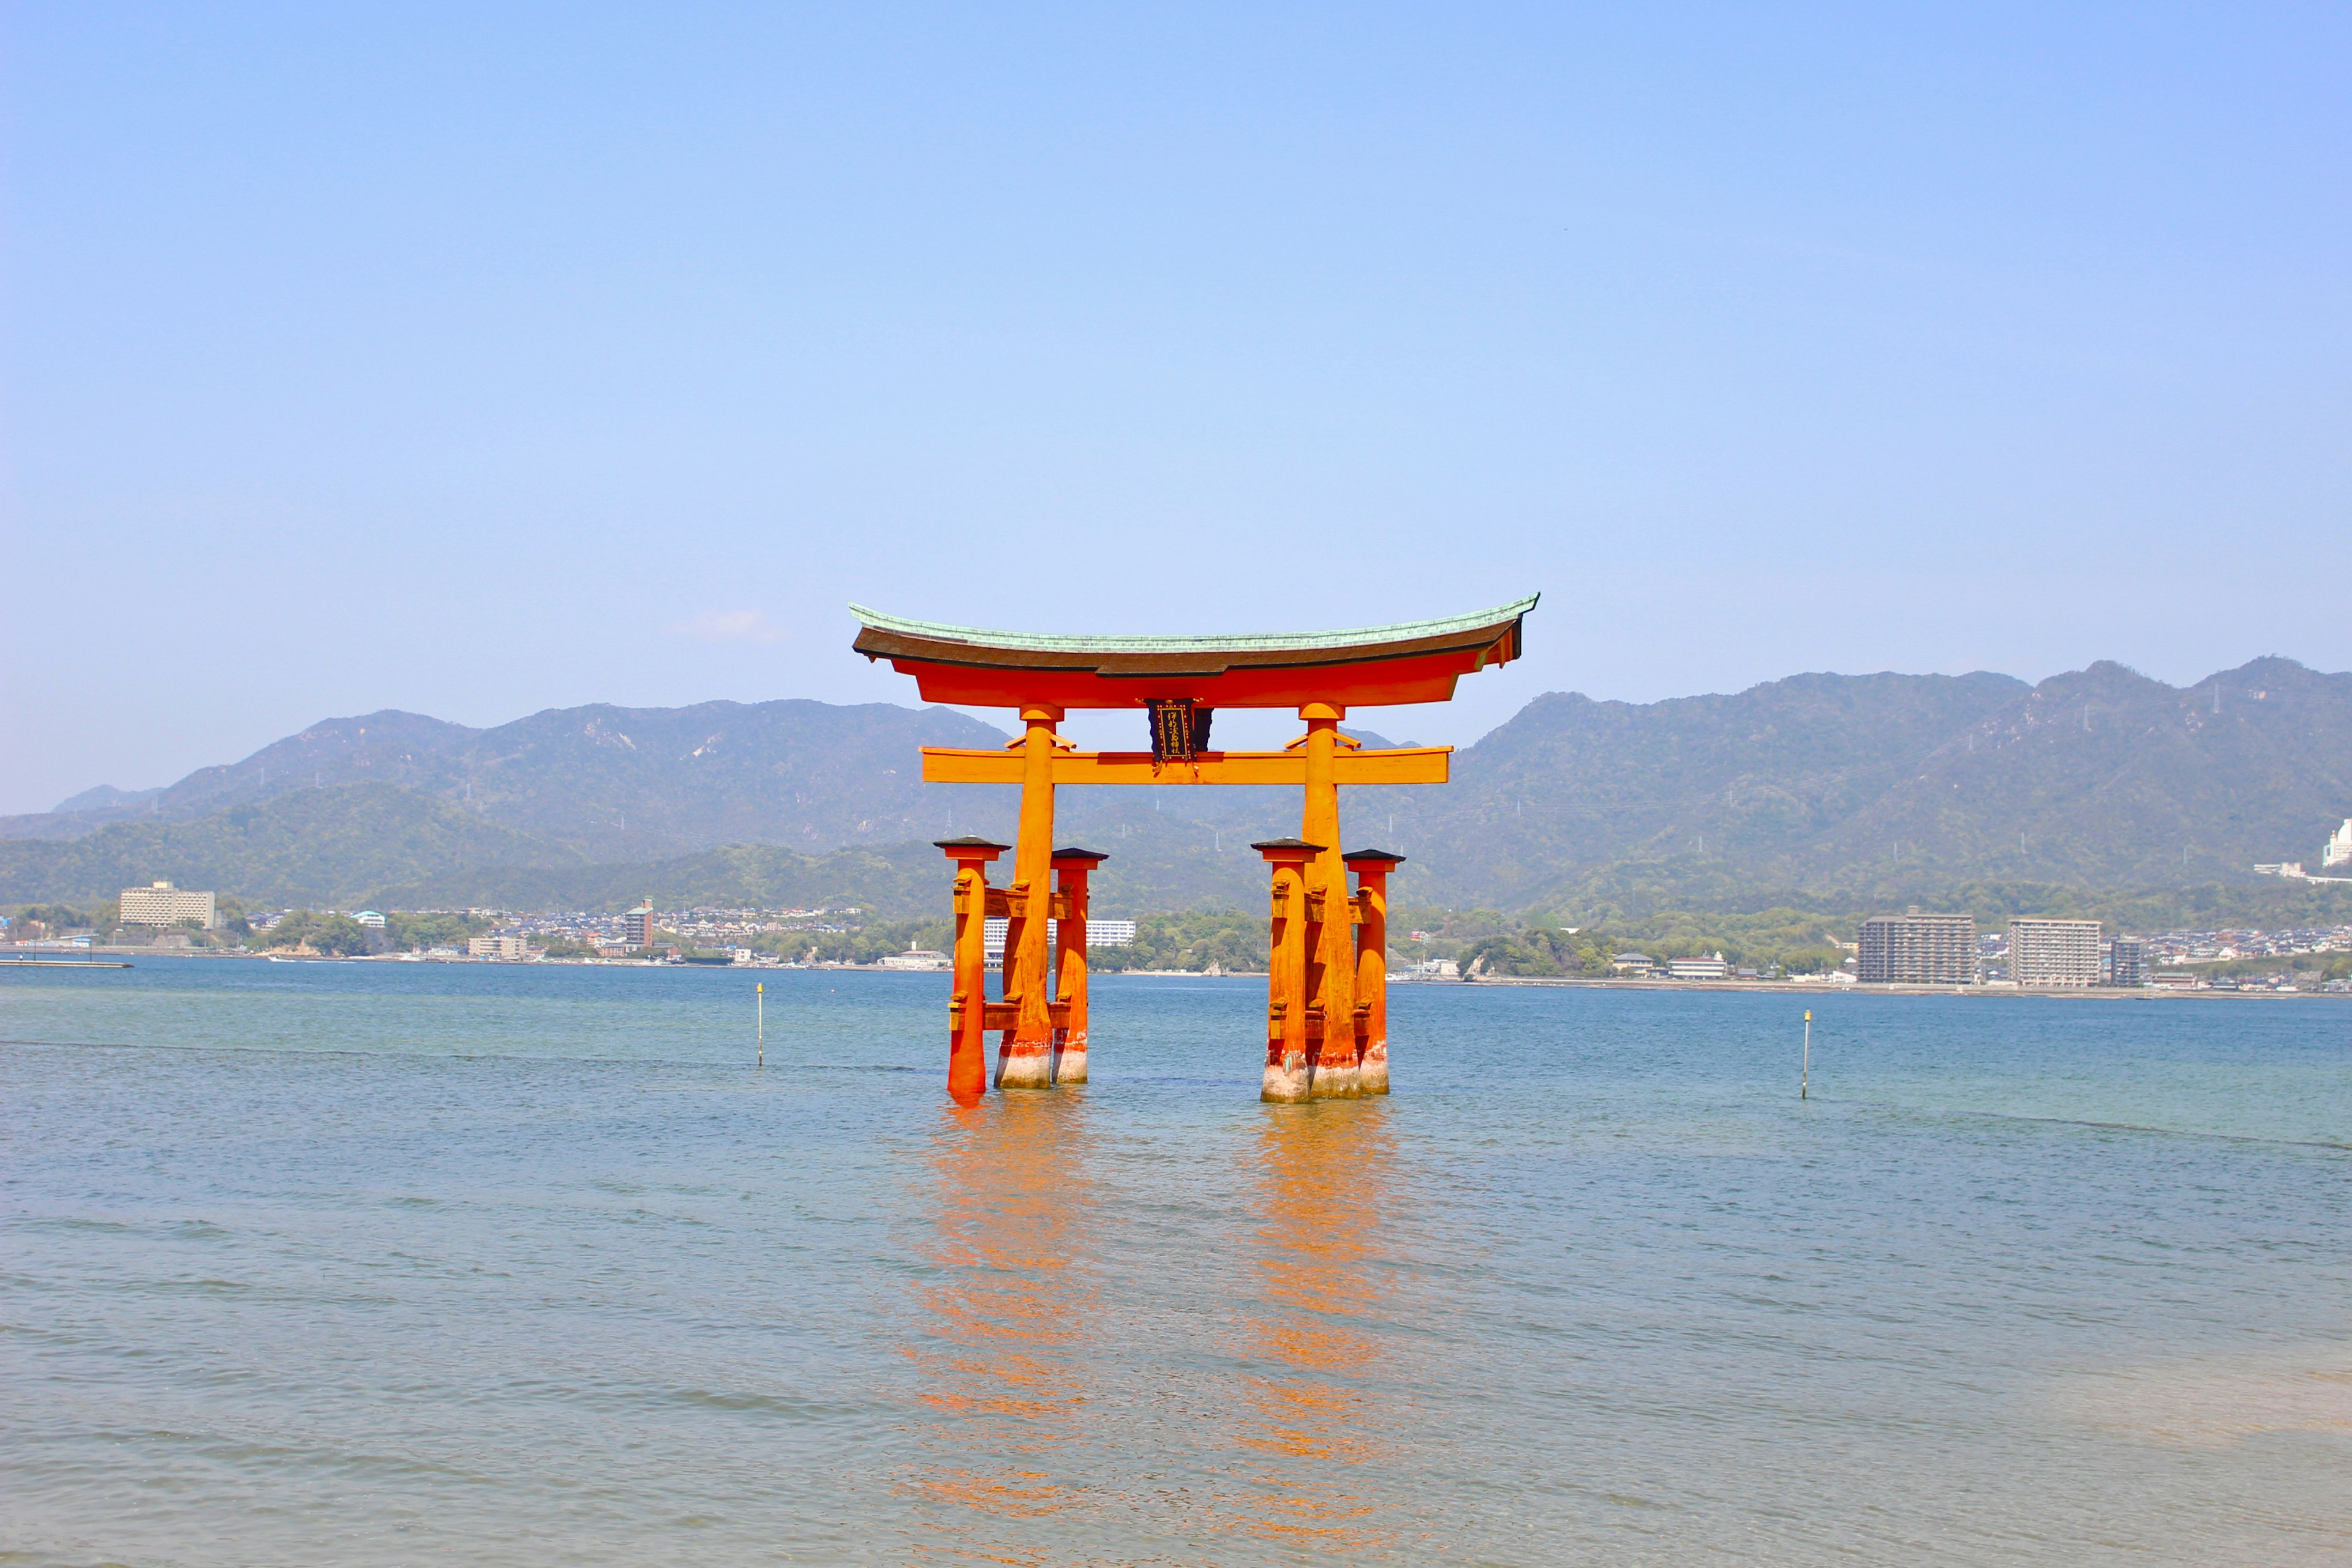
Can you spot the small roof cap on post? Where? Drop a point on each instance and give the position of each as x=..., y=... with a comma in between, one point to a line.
x=1384, y=857
x=1075, y=852
x=1281, y=849
x=971, y=846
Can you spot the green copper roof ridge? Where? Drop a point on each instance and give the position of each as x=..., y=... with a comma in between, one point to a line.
x=1403, y=631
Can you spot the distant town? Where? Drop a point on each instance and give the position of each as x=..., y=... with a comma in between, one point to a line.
x=1914, y=948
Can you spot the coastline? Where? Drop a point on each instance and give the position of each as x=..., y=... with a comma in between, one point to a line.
x=53, y=958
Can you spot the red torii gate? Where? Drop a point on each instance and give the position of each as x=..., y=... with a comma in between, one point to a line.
x=1327, y=1010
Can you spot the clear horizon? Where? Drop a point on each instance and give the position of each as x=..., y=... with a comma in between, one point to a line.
x=481, y=363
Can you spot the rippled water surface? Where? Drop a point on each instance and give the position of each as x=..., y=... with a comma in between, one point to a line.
x=378, y=1264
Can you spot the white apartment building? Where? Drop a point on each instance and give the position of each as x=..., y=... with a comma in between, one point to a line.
x=509, y=949
x=162, y=904
x=2054, y=952
x=1099, y=933
x=1914, y=948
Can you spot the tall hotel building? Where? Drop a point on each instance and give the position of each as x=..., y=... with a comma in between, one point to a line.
x=162, y=904
x=2054, y=952
x=1920, y=950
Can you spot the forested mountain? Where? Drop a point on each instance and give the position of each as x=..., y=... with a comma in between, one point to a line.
x=1878, y=785
x=2105, y=776
x=1569, y=784
x=331, y=847
x=613, y=783
x=1860, y=788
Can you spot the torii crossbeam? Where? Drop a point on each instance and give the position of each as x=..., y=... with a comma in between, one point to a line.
x=1327, y=1025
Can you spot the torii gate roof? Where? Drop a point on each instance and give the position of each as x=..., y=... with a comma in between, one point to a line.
x=1413, y=661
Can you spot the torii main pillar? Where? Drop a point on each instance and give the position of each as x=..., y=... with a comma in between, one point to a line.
x=1332, y=966
x=1026, y=1059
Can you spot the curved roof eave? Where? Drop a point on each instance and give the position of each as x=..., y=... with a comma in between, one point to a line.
x=1031, y=642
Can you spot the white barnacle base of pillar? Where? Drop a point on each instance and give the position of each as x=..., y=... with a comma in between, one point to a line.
x=1334, y=1079
x=1372, y=1072
x=1070, y=1055
x=1025, y=1064
x=1286, y=1080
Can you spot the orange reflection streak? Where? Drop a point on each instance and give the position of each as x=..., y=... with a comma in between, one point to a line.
x=1316, y=1413
x=1005, y=1317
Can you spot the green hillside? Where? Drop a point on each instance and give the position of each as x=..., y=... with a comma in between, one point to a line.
x=613, y=783
x=1871, y=787
x=900, y=882
x=327, y=846
x=1749, y=780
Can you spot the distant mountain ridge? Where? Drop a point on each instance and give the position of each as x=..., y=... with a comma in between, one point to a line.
x=331, y=846
x=2097, y=777
x=611, y=783
x=1860, y=787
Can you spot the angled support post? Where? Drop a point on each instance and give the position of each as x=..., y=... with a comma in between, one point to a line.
x=1372, y=868
x=968, y=996
x=1287, y=1078
x=1072, y=866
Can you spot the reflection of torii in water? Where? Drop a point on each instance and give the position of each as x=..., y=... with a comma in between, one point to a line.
x=1327, y=1025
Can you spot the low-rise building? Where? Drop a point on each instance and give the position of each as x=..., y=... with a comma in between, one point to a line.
x=1914, y=948
x=508, y=949
x=1634, y=965
x=2053, y=952
x=162, y=904
x=1697, y=968
x=370, y=918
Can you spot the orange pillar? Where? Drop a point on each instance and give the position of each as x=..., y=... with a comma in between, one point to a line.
x=1071, y=867
x=1287, y=1078
x=1331, y=958
x=1372, y=868
x=968, y=995
x=1025, y=1059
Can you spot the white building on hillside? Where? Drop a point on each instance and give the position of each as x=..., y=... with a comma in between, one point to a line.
x=162, y=904
x=2339, y=847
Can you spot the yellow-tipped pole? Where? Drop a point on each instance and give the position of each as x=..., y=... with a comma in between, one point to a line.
x=760, y=994
x=1805, y=1069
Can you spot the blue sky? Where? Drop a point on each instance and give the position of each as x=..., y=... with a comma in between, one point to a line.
x=481, y=360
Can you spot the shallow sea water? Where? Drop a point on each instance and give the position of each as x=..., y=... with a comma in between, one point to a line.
x=386, y=1264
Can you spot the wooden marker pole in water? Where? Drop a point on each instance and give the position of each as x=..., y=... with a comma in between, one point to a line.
x=1805, y=1067
x=760, y=992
